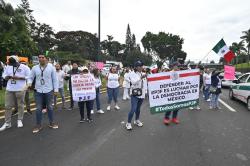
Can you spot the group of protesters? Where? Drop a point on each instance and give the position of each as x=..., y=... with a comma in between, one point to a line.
x=48, y=82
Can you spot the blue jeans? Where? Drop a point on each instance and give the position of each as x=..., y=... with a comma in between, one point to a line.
x=207, y=91
x=174, y=114
x=97, y=99
x=61, y=91
x=214, y=103
x=135, y=108
x=41, y=99
x=112, y=94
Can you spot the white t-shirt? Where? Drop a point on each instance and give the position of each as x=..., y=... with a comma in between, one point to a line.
x=98, y=82
x=207, y=78
x=60, y=76
x=137, y=82
x=113, y=80
x=126, y=81
x=17, y=85
x=67, y=68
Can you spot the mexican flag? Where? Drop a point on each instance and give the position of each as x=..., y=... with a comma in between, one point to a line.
x=222, y=49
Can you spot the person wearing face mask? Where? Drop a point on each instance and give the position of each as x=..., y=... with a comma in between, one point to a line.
x=16, y=75
x=74, y=70
x=60, y=76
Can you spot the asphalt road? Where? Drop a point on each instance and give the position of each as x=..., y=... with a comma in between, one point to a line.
x=203, y=138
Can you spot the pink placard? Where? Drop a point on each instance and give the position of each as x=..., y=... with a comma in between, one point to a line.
x=100, y=65
x=229, y=72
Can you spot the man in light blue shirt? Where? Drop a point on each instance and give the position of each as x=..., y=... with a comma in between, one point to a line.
x=46, y=84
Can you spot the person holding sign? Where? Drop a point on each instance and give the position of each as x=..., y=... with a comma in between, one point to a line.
x=16, y=75
x=98, y=84
x=69, y=75
x=138, y=91
x=46, y=86
x=167, y=120
x=113, y=84
x=83, y=87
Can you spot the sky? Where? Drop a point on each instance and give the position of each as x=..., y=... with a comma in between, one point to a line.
x=202, y=23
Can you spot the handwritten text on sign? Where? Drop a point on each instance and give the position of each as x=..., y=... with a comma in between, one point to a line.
x=170, y=91
x=83, y=87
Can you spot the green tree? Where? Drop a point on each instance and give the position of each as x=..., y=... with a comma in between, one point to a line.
x=237, y=48
x=165, y=46
x=80, y=42
x=246, y=38
x=14, y=34
x=129, y=42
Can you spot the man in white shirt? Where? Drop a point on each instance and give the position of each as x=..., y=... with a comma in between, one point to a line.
x=16, y=75
x=207, y=84
x=60, y=76
x=66, y=68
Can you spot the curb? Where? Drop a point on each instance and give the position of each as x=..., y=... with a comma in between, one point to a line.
x=60, y=102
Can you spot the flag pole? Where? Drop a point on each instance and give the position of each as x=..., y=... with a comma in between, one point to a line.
x=206, y=55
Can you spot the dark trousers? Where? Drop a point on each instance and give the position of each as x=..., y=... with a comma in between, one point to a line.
x=89, y=106
x=174, y=114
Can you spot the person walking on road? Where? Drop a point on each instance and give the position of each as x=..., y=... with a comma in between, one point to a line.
x=60, y=76
x=175, y=120
x=98, y=84
x=113, y=84
x=16, y=74
x=66, y=68
x=89, y=103
x=126, y=85
x=74, y=70
x=215, y=90
x=46, y=85
x=207, y=84
x=138, y=91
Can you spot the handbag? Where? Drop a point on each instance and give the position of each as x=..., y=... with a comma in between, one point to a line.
x=213, y=89
x=137, y=91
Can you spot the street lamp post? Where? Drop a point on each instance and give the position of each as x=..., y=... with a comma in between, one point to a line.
x=99, y=31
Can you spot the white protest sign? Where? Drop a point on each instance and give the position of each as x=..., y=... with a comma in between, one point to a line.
x=83, y=87
x=173, y=90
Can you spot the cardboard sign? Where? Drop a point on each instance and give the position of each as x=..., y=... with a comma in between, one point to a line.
x=229, y=72
x=174, y=90
x=83, y=87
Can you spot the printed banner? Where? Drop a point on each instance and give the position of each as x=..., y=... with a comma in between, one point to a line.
x=83, y=87
x=229, y=72
x=174, y=90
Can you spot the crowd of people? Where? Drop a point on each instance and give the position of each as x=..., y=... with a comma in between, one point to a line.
x=48, y=81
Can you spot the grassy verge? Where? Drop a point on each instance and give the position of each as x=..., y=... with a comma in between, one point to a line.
x=242, y=66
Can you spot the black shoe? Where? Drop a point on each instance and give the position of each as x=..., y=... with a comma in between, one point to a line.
x=29, y=111
x=82, y=120
x=14, y=112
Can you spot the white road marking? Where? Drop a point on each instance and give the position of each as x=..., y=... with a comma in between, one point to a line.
x=228, y=106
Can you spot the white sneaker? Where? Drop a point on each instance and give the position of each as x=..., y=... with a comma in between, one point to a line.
x=117, y=107
x=208, y=100
x=138, y=123
x=128, y=126
x=108, y=108
x=100, y=112
x=5, y=126
x=19, y=123
x=191, y=108
x=198, y=107
x=92, y=111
